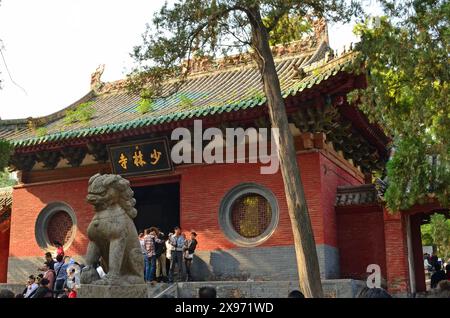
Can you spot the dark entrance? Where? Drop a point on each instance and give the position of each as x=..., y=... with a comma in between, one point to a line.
x=417, y=222
x=157, y=205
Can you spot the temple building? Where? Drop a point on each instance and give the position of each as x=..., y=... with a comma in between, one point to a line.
x=5, y=218
x=239, y=214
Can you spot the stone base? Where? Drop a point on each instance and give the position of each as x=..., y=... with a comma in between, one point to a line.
x=260, y=263
x=99, y=291
x=332, y=288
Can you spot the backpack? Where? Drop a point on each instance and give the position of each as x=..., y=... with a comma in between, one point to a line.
x=160, y=248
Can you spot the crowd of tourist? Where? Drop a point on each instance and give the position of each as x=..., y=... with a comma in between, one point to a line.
x=166, y=258
x=434, y=267
x=59, y=277
x=167, y=255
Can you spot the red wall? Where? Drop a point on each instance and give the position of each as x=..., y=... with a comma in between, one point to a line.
x=360, y=240
x=202, y=189
x=4, y=249
x=396, y=252
x=29, y=201
x=332, y=176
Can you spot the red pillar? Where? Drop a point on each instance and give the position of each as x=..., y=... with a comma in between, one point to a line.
x=416, y=238
x=4, y=250
x=396, y=253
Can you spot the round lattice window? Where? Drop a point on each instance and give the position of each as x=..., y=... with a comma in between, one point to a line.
x=55, y=223
x=251, y=215
x=248, y=214
x=59, y=228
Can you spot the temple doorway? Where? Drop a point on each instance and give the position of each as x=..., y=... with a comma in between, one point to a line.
x=428, y=234
x=157, y=205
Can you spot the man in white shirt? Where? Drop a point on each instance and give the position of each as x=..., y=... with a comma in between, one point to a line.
x=31, y=287
x=144, y=253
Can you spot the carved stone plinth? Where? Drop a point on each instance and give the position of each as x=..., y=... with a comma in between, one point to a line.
x=100, y=291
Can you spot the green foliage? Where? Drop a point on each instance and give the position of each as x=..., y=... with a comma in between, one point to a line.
x=290, y=27
x=406, y=54
x=41, y=131
x=144, y=106
x=83, y=113
x=6, y=180
x=212, y=28
x=185, y=102
x=6, y=150
x=437, y=234
x=147, y=93
x=427, y=239
x=187, y=28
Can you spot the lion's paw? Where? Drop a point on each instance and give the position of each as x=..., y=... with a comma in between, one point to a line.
x=109, y=280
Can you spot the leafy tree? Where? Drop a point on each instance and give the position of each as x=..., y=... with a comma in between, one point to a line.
x=427, y=239
x=437, y=234
x=5, y=153
x=218, y=27
x=6, y=150
x=290, y=27
x=406, y=53
x=6, y=180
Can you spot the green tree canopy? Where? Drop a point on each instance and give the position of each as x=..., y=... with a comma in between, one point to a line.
x=191, y=28
x=291, y=27
x=6, y=180
x=406, y=55
x=437, y=234
x=5, y=153
x=216, y=28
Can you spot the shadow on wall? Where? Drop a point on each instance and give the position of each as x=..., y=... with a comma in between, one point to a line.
x=224, y=265
x=19, y=268
x=241, y=264
x=215, y=265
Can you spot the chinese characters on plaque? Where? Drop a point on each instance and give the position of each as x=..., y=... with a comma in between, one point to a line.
x=140, y=157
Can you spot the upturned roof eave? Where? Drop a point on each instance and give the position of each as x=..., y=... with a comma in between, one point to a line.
x=337, y=65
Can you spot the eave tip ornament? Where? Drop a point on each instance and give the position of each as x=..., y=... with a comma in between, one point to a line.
x=96, y=81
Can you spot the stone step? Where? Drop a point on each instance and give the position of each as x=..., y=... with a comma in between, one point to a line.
x=156, y=289
x=333, y=288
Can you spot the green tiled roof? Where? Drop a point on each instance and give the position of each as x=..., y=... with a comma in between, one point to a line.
x=209, y=93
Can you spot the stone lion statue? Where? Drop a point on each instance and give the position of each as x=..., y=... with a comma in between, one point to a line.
x=112, y=233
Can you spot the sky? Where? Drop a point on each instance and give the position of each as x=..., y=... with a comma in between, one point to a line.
x=51, y=47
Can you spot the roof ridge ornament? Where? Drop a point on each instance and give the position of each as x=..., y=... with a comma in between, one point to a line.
x=96, y=81
x=310, y=42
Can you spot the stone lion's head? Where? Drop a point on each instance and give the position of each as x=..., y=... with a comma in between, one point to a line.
x=105, y=190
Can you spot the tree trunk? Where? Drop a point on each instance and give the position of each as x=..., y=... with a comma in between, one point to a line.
x=305, y=247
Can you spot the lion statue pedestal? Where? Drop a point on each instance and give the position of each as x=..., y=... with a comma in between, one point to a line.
x=113, y=240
